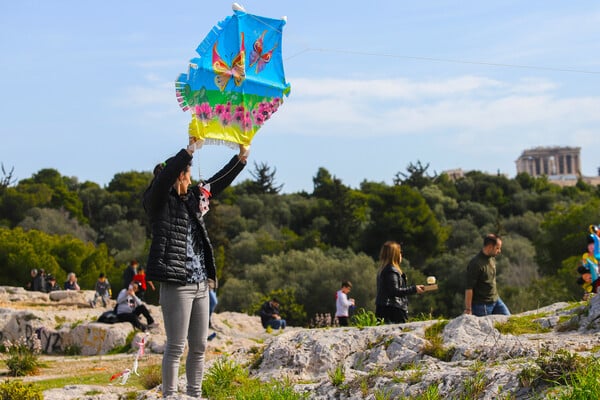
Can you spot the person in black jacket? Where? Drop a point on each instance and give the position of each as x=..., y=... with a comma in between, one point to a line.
x=181, y=259
x=392, y=290
x=269, y=315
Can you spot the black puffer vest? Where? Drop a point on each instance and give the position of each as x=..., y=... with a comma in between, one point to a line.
x=170, y=215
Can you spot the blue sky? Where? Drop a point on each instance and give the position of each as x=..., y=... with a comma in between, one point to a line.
x=87, y=87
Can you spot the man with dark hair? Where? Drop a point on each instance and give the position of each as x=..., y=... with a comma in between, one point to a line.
x=269, y=315
x=481, y=295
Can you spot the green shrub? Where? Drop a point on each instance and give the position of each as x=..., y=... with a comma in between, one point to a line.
x=22, y=358
x=364, y=318
x=226, y=380
x=435, y=347
x=337, y=375
x=12, y=390
x=151, y=376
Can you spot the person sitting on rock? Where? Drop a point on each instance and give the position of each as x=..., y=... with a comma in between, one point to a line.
x=51, y=284
x=130, y=307
x=269, y=315
x=71, y=283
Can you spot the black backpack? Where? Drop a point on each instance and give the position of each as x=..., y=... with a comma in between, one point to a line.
x=109, y=317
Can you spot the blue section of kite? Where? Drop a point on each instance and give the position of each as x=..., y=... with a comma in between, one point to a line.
x=238, y=80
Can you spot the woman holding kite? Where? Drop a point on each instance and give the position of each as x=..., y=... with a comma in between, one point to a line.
x=181, y=258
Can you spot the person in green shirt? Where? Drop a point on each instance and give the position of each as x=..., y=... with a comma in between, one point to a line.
x=481, y=295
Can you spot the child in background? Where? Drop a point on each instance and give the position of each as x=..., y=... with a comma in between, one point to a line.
x=103, y=291
x=343, y=303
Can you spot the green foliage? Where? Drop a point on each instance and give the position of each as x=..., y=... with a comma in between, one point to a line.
x=22, y=357
x=227, y=380
x=310, y=242
x=20, y=251
x=564, y=232
x=521, y=325
x=56, y=222
x=474, y=386
x=401, y=213
x=337, y=375
x=151, y=376
x=362, y=318
x=558, y=367
x=289, y=307
x=435, y=346
x=583, y=384
x=72, y=350
x=313, y=275
x=15, y=389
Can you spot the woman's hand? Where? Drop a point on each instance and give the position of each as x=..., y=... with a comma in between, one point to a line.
x=244, y=153
x=420, y=288
x=193, y=144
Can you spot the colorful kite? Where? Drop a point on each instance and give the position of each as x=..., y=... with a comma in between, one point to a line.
x=238, y=81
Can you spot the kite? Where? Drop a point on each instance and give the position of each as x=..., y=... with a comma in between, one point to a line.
x=237, y=83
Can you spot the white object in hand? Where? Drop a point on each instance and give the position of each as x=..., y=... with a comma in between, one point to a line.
x=431, y=280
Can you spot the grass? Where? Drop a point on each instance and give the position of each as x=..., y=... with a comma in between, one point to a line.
x=435, y=346
x=520, y=325
x=228, y=380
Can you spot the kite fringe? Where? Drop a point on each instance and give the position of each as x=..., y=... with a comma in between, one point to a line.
x=221, y=142
x=179, y=90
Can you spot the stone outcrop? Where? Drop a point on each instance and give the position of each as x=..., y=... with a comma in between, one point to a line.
x=474, y=359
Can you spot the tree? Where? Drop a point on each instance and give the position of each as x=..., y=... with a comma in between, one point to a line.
x=7, y=178
x=563, y=234
x=64, y=195
x=415, y=176
x=128, y=188
x=57, y=222
x=345, y=210
x=264, y=180
x=401, y=213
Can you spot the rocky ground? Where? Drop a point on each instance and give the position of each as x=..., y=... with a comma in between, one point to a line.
x=383, y=362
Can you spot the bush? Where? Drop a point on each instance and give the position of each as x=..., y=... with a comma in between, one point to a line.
x=364, y=318
x=11, y=390
x=22, y=358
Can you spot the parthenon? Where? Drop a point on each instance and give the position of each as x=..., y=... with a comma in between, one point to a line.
x=550, y=161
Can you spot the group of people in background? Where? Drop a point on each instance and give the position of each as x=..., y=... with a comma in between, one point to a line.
x=42, y=282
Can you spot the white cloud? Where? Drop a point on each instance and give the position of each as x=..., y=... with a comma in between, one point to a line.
x=469, y=105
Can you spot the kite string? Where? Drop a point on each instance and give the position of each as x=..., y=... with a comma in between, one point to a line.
x=434, y=59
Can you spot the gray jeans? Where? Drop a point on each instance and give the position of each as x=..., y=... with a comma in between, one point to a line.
x=185, y=314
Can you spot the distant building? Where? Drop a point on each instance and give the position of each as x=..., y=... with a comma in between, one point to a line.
x=551, y=161
x=454, y=174
x=562, y=165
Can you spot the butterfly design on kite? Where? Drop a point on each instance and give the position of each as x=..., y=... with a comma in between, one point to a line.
x=224, y=72
x=257, y=56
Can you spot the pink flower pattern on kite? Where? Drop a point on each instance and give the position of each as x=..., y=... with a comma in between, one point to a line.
x=204, y=111
x=241, y=116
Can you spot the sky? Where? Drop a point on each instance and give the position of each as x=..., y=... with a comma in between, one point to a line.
x=87, y=88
